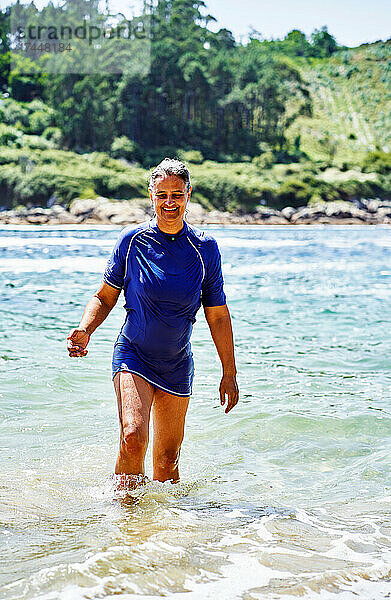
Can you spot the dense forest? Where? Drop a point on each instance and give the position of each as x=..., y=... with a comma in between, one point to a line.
x=202, y=89
x=204, y=97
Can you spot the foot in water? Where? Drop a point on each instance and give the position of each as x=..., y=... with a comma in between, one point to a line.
x=127, y=487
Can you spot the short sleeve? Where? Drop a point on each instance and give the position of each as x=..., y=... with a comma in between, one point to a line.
x=116, y=265
x=213, y=285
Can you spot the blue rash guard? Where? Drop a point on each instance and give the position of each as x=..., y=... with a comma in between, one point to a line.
x=165, y=278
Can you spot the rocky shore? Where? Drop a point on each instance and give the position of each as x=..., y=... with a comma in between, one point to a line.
x=104, y=211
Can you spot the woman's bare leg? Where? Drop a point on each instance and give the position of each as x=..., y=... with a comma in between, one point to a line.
x=169, y=413
x=134, y=397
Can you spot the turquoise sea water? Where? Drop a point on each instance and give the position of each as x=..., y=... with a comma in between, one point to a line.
x=287, y=496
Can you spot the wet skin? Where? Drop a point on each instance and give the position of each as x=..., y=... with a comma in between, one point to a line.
x=136, y=397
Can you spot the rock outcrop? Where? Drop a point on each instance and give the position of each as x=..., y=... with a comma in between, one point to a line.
x=104, y=211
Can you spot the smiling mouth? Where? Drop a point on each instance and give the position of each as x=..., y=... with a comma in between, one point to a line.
x=170, y=210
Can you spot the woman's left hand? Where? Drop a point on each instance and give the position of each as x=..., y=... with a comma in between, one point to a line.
x=229, y=387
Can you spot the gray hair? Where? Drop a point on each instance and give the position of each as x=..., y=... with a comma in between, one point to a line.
x=168, y=167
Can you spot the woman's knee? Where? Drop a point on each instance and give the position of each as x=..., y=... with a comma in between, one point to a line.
x=134, y=440
x=168, y=458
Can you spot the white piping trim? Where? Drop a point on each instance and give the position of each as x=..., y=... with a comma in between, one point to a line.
x=111, y=284
x=127, y=254
x=150, y=381
x=199, y=254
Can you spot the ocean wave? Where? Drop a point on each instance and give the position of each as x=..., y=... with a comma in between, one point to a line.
x=43, y=265
x=294, y=267
x=226, y=242
x=18, y=242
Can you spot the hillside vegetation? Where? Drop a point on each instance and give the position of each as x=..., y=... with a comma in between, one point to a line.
x=280, y=123
x=351, y=99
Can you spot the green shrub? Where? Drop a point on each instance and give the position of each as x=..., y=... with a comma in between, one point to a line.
x=264, y=147
x=9, y=135
x=12, y=111
x=268, y=195
x=227, y=192
x=34, y=175
x=200, y=199
x=26, y=162
x=351, y=71
x=39, y=121
x=8, y=155
x=122, y=185
x=191, y=156
x=327, y=192
x=43, y=181
x=378, y=162
x=264, y=161
x=123, y=147
x=36, y=142
x=10, y=176
x=101, y=159
x=59, y=158
x=36, y=185
x=37, y=105
x=322, y=165
x=293, y=192
x=87, y=193
x=358, y=189
x=53, y=134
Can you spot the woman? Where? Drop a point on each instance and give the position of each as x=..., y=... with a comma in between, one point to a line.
x=167, y=269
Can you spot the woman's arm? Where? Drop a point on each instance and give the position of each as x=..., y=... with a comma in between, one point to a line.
x=219, y=322
x=96, y=311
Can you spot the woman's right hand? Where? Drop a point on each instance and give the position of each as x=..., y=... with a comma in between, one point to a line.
x=77, y=341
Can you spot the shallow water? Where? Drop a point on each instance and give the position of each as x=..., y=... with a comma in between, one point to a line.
x=287, y=496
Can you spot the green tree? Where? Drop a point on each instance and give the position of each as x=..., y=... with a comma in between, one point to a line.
x=85, y=111
x=268, y=96
x=295, y=43
x=5, y=56
x=203, y=91
x=323, y=43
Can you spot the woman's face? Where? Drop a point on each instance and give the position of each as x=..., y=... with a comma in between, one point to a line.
x=169, y=196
